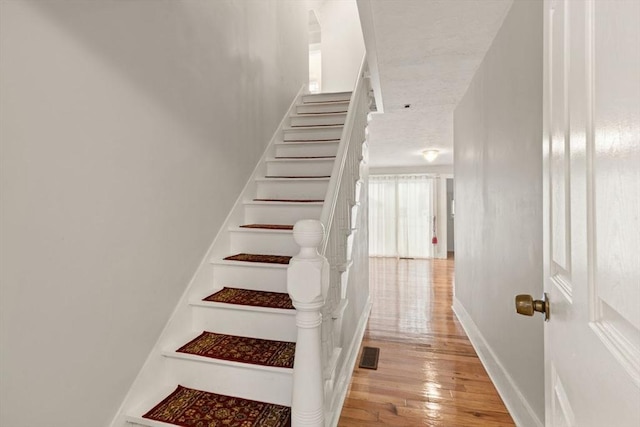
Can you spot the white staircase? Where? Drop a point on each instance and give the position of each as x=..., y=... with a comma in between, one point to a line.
x=289, y=184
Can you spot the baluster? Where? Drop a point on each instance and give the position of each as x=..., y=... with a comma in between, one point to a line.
x=307, y=283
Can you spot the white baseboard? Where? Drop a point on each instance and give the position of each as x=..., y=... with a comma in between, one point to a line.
x=342, y=384
x=520, y=410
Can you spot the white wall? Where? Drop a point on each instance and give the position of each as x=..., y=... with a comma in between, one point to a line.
x=498, y=187
x=399, y=170
x=128, y=130
x=450, y=216
x=342, y=44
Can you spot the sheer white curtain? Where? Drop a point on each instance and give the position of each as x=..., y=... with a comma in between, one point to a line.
x=401, y=211
x=382, y=216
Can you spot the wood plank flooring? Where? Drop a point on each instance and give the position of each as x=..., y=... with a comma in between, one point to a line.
x=428, y=373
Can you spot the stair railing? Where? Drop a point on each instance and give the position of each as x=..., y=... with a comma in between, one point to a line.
x=314, y=278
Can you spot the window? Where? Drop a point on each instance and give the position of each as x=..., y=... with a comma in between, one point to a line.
x=401, y=215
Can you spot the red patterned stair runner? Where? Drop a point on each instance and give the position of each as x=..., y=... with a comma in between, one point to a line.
x=272, y=259
x=254, y=351
x=313, y=141
x=288, y=200
x=252, y=298
x=307, y=157
x=316, y=114
x=188, y=407
x=269, y=226
x=297, y=177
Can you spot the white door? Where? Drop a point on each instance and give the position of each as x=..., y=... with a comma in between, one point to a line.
x=592, y=212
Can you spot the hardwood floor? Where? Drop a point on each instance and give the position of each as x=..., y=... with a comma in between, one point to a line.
x=428, y=373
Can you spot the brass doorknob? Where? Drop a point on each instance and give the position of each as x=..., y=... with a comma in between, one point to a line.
x=527, y=306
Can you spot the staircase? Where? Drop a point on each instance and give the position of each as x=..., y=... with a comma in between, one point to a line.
x=227, y=352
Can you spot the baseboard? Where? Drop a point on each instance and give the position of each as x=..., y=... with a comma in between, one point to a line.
x=342, y=384
x=520, y=410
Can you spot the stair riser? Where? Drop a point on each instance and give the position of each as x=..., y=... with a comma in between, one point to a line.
x=270, y=326
x=263, y=243
x=280, y=214
x=326, y=97
x=312, y=134
x=251, y=384
x=338, y=107
x=320, y=120
x=310, y=149
x=320, y=167
x=294, y=190
x=255, y=278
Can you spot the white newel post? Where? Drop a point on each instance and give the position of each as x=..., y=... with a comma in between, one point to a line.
x=307, y=283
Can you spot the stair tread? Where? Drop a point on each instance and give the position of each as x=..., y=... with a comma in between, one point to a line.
x=311, y=140
x=303, y=157
x=290, y=200
x=298, y=177
x=269, y=226
x=340, y=92
x=345, y=104
x=324, y=103
x=189, y=407
x=315, y=114
x=234, y=348
x=269, y=259
x=323, y=95
x=280, y=203
x=248, y=297
x=308, y=141
x=344, y=101
x=323, y=114
x=312, y=127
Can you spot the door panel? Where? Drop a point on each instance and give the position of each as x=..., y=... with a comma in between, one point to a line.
x=616, y=181
x=592, y=212
x=561, y=411
x=559, y=173
x=559, y=155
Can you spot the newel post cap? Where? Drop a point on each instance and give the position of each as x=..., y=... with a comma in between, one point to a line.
x=308, y=234
x=305, y=278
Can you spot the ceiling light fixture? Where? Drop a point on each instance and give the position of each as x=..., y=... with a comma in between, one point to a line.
x=430, y=155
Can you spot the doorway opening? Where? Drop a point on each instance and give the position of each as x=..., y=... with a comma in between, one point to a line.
x=315, y=54
x=451, y=211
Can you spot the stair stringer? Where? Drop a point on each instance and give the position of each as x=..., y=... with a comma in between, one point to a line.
x=200, y=285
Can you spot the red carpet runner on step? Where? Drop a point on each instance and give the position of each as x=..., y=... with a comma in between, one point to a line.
x=289, y=200
x=256, y=351
x=187, y=407
x=252, y=298
x=272, y=259
x=269, y=226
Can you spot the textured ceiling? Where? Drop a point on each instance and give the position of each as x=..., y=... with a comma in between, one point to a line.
x=426, y=52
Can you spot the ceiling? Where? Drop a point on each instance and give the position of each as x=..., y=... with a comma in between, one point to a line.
x=423, y=53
